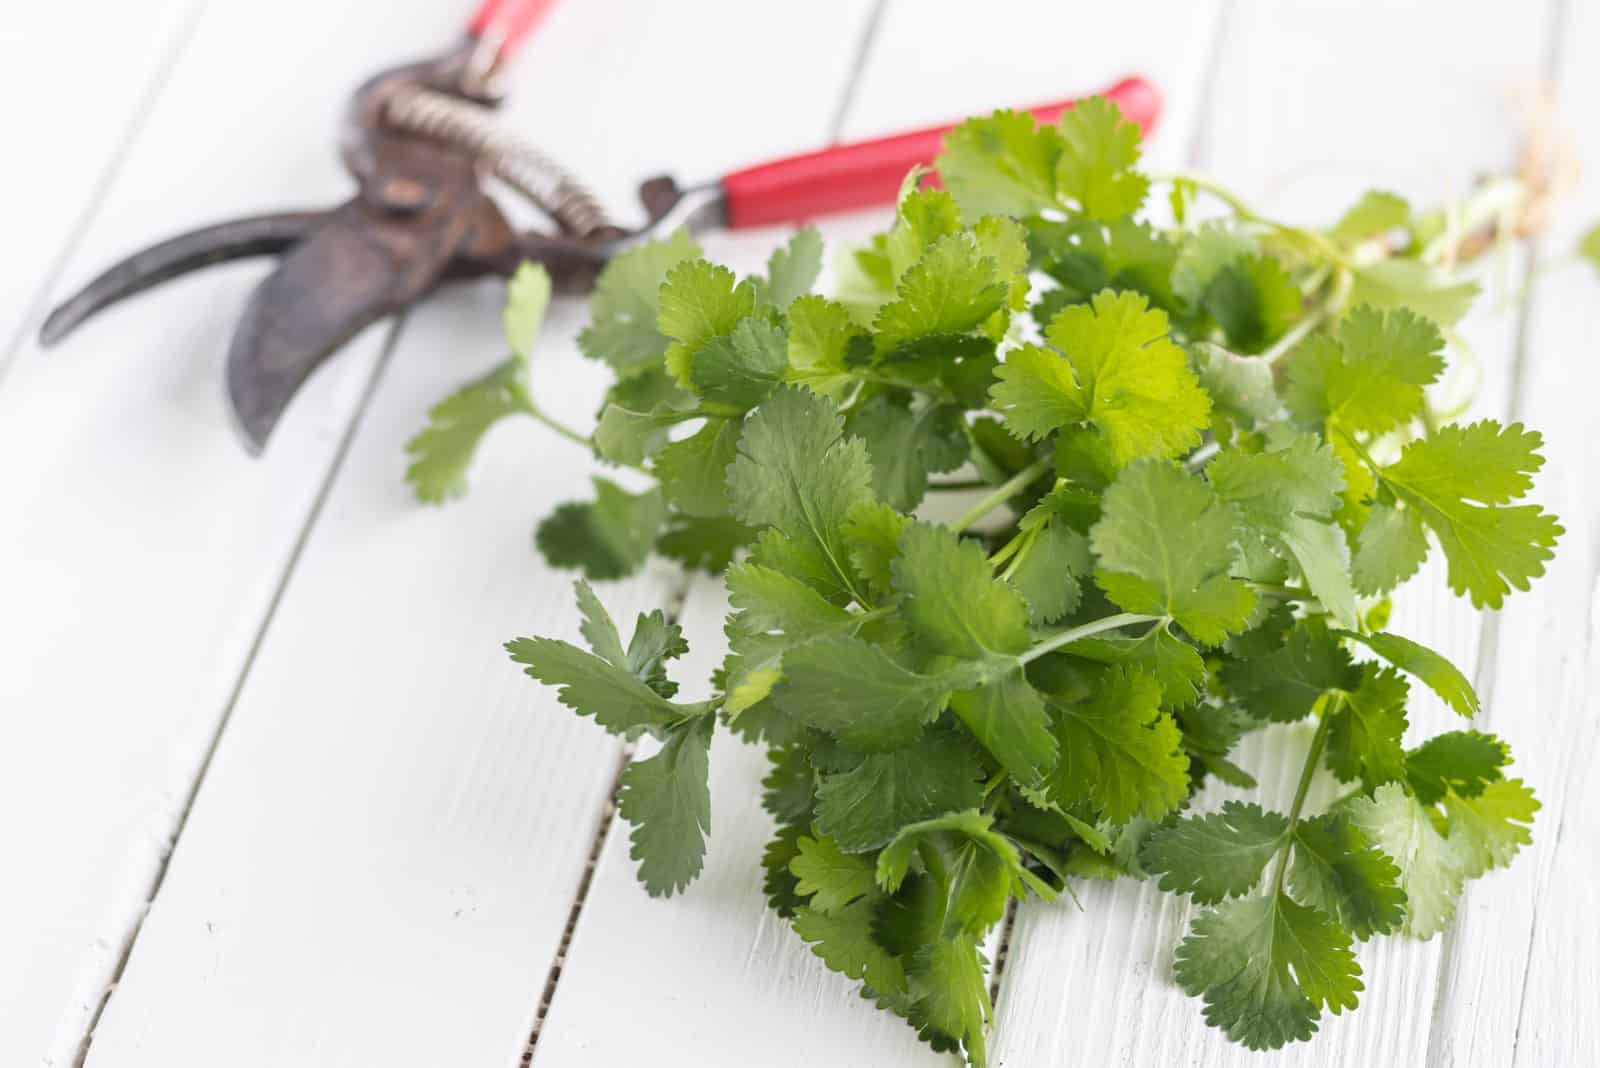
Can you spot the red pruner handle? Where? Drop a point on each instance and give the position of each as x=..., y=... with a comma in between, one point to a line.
x=861, y=175
x=506, y=23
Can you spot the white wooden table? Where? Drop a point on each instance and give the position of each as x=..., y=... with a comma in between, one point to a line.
x=270, y=792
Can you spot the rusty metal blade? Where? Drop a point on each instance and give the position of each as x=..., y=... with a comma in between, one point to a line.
x=259, y=235
x=331, y=286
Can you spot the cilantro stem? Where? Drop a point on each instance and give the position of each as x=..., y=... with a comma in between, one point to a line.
x=561, y=428
x=1359, y=450
x=1307, y=772
x=1008, y=550
x=1084, y=630
x=1289, y=593
x=1248, y=214
x=1003, y=493
x=1030, y=539
x=959, y=484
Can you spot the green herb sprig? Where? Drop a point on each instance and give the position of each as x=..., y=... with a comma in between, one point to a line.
x=1205, y=456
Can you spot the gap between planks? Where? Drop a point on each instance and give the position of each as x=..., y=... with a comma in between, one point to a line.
x=180, y=818
x=674, y=610
x=1484, y=678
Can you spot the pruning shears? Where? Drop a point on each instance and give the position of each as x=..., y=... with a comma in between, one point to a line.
x=420, y=139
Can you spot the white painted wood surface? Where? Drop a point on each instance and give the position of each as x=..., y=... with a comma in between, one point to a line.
x=141, y=550
x=381, y=858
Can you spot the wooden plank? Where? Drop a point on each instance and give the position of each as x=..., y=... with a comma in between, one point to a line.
x=141, y=547
x=713, y=976
x=1283, y=89
x=99, y=87
x=1518, y=986
x=381, y=861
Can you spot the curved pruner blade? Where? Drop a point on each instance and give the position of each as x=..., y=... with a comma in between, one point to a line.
x=260, y=235
x=330, y=287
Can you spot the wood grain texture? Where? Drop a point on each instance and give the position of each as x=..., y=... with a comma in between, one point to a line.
x=67, y=153
x=1096, y=984
x=714, y=977
x=381, y=860
x=1518, y=986
x=140, y=547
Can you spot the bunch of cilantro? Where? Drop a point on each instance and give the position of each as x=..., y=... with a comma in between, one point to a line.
x=1205, y=457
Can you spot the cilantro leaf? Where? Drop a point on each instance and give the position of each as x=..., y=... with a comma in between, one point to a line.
x=667, y=799
x=1431, y=871
x=442, y=452
x=1440, y=676
x=707, y=544
x=1165, y=544
x=1240, y=389
x=1285, y=684
x=1459, y=480
x=606, y=538
x=693, y=471
x=1375, y=214
x=905, y=441
x=831, y=878
x=821, y=334
x=773, y=613
x=797, y=473
x=865, y=807
x=1120, y=372
x=953, y=289
x=1254, y=302
x=873, y=532
x=1266, y=967
x=741, y=367
x=626, y=436
x=852, y=689
x=1288, y=495
x=1366, y=727
x=698, y=301
x=1337, y=871
x=922, y=216
x=1589, y=247
x=793, y=268
x=1462, y=763
x=983, y=865
x=622, y=328
x=1099, y=150
x=1119, y=751
x=623, y=696
x=1203, y=253
x=949, y=984
x=1048, y=575
x=953, y=602
x=844, y=941
x=1414, y=285
x=1004, y=164
x=1010, y=720
x=1391, y=547
x=1487, y=830
x=1215, y=856
x=1159, y=653
x=778, y=883
x=1368, y=374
